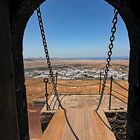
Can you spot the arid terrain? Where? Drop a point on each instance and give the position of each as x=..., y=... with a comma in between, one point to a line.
x=74, y=77
x=36, y=63
x=72, y=74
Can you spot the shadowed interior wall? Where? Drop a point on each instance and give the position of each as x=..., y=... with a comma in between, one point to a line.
x=20, y=12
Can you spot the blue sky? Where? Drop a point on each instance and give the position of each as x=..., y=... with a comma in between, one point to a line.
x=75, y=28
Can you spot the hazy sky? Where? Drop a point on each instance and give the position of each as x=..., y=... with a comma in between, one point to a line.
x=75, y=28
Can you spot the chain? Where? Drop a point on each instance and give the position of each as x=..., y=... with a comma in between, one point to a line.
x=118, y=84
x=111, y=45
x=112, y=38
x=50, y=69
x=47, y=55
x=70, y=85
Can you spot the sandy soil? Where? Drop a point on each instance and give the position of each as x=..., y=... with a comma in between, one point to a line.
x=36, y=88
x=97, y=63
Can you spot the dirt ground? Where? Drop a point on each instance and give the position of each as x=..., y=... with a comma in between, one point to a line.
x=29, y=64
x=36, y=88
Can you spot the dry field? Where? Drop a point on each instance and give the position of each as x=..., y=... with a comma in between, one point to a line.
x=36, y=88
x=28, y=64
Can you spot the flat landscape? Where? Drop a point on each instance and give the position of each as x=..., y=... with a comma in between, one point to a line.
x=71, y=74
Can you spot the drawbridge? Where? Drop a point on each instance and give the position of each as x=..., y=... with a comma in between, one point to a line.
x=85, y=123
x=80, y=120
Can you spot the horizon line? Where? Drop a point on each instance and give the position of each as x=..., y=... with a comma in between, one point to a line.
x=96, y=57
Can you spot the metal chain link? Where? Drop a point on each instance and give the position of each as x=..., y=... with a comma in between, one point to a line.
x=112, y=38
x=70, y=85
x=118, y=84
x=111, y=45
x=50, y=69
x=47, y=55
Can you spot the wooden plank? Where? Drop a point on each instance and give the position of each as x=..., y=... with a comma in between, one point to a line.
x=103, y=124
x=86, y=124
x=56, y=127
x=123, y=97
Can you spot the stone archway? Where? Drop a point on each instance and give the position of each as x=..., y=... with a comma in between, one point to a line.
x=19, y=19
x=132, y=20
